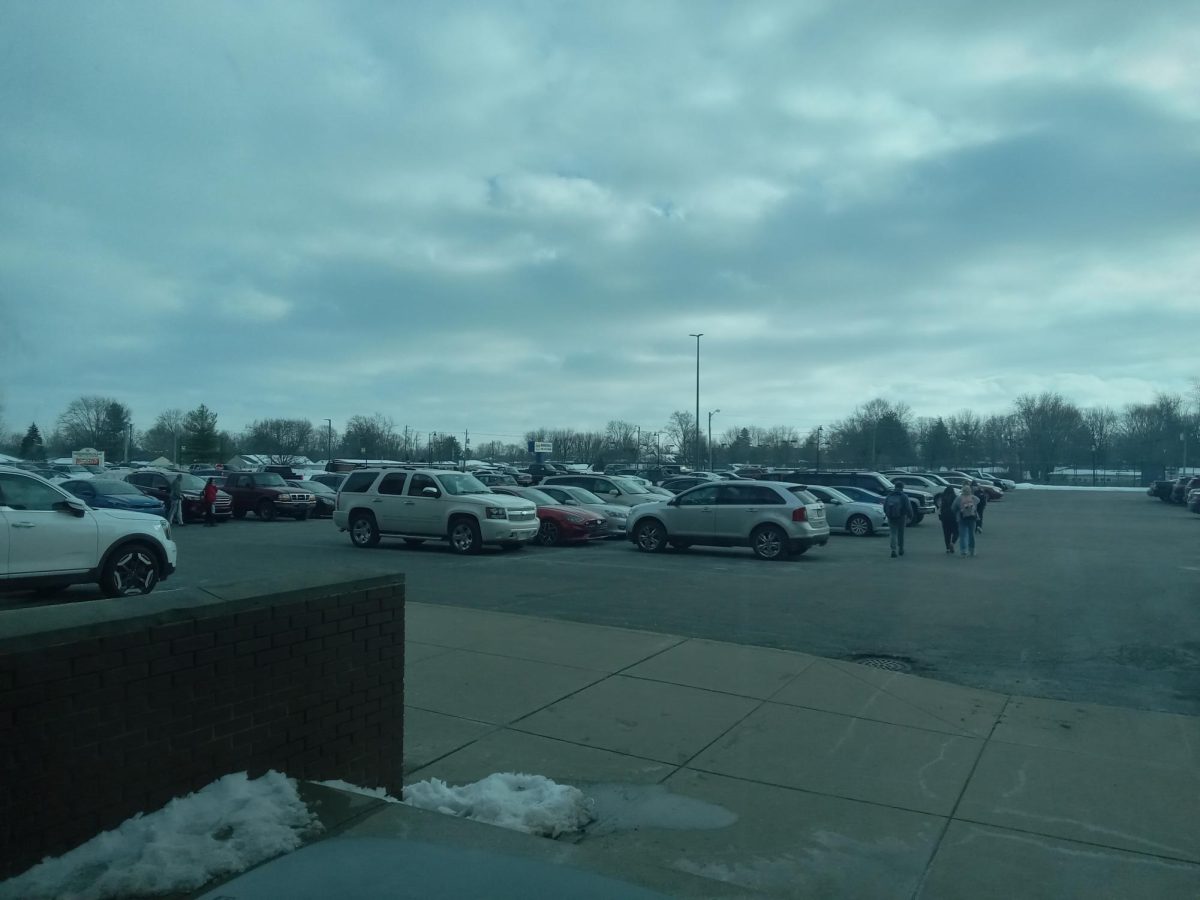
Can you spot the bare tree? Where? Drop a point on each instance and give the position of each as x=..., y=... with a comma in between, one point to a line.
x=1048, y=424
x=1100, y=423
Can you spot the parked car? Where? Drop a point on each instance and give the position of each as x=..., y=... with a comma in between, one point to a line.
x=1183, y=485
x=649, y=485
x=157, y=484
x=920, y=501
x=610, y=488
x=539, y=471
x=331, y=480
x=325, y=495
x=860, y=495
x=268, y=496
x=844, y=513
x=426, y=504
x=986, y=483
x=560, y=522
x=109, y=493
x=1161, y=490
x=1193, y=500
x=55, y=539
x=615, y=515
x=775, y=519
x=1005, y=484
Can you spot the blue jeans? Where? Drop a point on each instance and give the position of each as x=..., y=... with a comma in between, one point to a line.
x=896, y=531
x=966, y=535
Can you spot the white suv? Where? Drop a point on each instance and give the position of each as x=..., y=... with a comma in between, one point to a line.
x=50, y=539
x=421, y=505
x=774, y=518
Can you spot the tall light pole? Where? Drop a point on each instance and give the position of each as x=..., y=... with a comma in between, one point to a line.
x=710, y=415
x=697, y=337
x=329, y=440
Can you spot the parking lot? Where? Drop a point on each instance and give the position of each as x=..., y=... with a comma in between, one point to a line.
x=1087, y=596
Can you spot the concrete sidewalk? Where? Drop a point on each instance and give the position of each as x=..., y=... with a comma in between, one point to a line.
x=846, y=781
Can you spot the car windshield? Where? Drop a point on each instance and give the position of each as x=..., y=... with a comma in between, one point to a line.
x=269, y=479
x=109, y=486
x=313, y=486
x=459, y=483
x=190, y=482
x=629, y=485
x=541, y=498
x=835, y=494
x=806, y=497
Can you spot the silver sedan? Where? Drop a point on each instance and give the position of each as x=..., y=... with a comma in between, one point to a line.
x=847, y=514
x=615, y=515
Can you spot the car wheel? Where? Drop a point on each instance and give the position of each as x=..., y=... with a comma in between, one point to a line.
x=414, y=542
x=651, y=537
x=917, y=519
x=464, y=536
x=239, y=514
x=266, y=511
x=548, y=534
x=859, y=526
x=131, y=570
x=769, y=542
x=363, y=530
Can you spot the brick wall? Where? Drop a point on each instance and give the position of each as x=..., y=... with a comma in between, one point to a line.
x=101, y=721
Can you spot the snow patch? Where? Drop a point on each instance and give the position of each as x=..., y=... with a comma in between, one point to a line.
x=1026, y=486
x=377, y=792
x=226, y=827
x=530, y=803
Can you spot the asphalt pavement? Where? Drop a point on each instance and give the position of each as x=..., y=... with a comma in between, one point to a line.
x=1086, y=596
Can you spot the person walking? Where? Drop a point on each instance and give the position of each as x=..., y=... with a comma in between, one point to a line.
x=966, y=506
x=210, y=502
x=175, y=501
x=949, y=518
x=895, y=507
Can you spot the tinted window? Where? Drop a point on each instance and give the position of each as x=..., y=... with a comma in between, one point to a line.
x=702, y=496
x=418, y=484
x=358, y=482
x=393, y=483
x=18, y=492
x=749, y=495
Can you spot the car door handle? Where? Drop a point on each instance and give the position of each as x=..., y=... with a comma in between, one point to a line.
x=410, y=503
x=23, y=525
x=377, y=500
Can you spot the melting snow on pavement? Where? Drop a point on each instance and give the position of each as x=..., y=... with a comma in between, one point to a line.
x=227, y=827
x=530, y=803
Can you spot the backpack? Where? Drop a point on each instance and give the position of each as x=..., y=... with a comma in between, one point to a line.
x=895, y=506
x=967, y=505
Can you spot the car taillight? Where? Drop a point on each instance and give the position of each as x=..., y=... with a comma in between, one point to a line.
x=800, y=514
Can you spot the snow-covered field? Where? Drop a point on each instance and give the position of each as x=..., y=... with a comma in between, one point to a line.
x=226, y=827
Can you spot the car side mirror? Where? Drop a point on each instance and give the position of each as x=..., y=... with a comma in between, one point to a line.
x=76, y=508
x=431, y=492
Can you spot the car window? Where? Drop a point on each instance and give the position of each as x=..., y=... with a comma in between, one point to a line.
x=583, y=495
x=558, y=493
x=358, y=482
x=701, y=496
x=748, y=495
x=393, y=483
x=23, y=493
x=457, y=484
x=419, y=482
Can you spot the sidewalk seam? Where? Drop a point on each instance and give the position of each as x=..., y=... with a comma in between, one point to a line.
x=950, y=818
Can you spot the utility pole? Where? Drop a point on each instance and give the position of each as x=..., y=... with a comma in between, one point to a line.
x=637, y=448
x=328, y=440
x=819, y=427
x=407, y=456
x=710, y=415
x=466, y=447
x=697, y=454
x=129, y=437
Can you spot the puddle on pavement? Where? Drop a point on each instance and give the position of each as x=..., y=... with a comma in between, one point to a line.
x=629, y=807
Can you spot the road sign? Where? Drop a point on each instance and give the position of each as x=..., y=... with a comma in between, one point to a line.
x=541, y=447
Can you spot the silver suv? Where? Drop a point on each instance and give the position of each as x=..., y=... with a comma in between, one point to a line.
x=421, y=505
x=774, y=518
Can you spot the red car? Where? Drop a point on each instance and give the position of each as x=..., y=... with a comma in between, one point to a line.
x=560, y=524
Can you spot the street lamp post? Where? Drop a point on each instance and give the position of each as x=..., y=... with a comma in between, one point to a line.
x=710, y=415
x=697, y=455
x=329, y=440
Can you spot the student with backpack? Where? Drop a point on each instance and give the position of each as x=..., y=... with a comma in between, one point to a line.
x=949, y=518
x=966, y=508
x=895, y=507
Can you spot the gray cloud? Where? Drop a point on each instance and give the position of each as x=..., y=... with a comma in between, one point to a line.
x=497, y=216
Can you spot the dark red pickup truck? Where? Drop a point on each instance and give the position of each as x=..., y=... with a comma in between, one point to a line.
x=268, y=496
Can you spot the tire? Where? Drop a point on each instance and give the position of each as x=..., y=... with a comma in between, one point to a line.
x=859, y=525
x=917, y=519
x=131, y=570
x=770, y=542
x=265, y=511
x=363, y=530
x=464, y=536
x=239, y=514
x=414, y=542
x=651, y=537
x=549, y=534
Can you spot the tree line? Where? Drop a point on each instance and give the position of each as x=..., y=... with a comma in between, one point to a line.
x=1038, y=433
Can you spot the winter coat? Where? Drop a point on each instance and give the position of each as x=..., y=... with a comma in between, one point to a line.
x=895, y=506
x=945, y=502
x=969, y=513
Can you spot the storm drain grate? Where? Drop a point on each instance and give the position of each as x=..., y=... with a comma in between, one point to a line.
x=888, y=663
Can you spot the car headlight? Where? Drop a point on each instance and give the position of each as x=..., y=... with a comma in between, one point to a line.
x=496, y=512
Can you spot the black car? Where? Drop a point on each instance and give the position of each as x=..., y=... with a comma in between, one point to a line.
x=326, y=496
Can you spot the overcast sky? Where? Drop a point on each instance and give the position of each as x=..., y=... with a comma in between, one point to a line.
x=500, y=215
